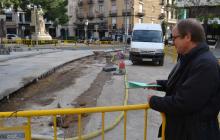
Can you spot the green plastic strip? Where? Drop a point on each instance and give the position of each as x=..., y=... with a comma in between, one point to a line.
x=133, y=84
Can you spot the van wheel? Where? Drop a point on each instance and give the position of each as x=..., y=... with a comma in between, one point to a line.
x=161, y=62
x=134, y=62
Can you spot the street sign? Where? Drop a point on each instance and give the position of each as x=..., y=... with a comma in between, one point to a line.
x=12, y=135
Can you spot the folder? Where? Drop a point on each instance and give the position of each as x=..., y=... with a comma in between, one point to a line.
x=133, y=84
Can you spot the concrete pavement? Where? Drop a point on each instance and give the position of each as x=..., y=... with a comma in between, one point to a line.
x=21, y=68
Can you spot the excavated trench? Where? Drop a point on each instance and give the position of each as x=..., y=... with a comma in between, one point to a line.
x=42, y=93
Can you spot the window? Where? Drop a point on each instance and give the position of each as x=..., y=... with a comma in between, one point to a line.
x=8, y=16
x=100, y=8
x=126, y=2
x=91, y=9
x=114, y=23
x=126, y=21
x=140, y=20
x=172, y=14
x=114, y=6
x=140, y=7
x=153, y=8
x=114, y=20
x=20, y=17
x=147, y=36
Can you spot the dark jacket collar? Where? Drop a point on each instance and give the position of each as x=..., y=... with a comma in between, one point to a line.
x=183, y=62
x=200, y=48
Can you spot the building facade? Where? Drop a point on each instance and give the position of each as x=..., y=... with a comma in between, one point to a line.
x=169, y=15
x=72, y=5
x=17, y=22
x=113, y=18
x=208, y=11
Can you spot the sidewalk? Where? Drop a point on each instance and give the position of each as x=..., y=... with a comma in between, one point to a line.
x=21, y=68
x=14, y=55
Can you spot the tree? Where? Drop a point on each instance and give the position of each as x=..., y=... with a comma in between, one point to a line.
x=9, y=3
x=55, y=10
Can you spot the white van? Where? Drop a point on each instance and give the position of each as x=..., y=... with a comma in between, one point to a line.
x=147, y=43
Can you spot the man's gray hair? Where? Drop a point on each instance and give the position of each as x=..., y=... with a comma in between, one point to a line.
x=193, y=27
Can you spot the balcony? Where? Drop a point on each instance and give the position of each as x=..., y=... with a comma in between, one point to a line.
x=100, y=15
x=161, y=2
x=126, y=12
x=90, y=16
x=113, y=13
x=103, y=26
x=80, y=15
x=80, y=3
x=90, y=1
x=10, y=23
x=100, y=1
x=140, y=13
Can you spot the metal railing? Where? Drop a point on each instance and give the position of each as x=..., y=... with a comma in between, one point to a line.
x=79, y=111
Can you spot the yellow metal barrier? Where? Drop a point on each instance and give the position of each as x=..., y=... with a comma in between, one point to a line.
x=17, y=129
x=30, y=42
x=55, y=112
x=78, y=111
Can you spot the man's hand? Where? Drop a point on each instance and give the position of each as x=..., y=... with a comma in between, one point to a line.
x=152, y=88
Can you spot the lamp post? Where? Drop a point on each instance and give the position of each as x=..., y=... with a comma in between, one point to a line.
x=85, y=28
x=96, y=30
x=35, y=19
x=23, y=28
x=2, y=28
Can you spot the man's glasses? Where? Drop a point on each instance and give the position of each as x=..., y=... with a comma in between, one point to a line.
x=175, y=37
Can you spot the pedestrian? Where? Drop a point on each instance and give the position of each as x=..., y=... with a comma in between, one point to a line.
x=192, y=100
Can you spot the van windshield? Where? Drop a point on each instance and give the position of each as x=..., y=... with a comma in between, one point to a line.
x=147, y=36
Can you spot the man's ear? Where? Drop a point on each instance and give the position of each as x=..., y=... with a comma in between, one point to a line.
x=188, y=37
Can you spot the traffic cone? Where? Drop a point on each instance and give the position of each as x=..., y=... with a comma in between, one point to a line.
x=121, y=67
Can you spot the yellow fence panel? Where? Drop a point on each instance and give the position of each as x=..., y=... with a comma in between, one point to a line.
x=80, y=111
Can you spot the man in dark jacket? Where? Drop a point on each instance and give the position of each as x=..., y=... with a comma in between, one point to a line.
x=192, y=100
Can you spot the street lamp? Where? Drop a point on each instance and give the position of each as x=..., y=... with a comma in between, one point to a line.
x=35, y=18
x=85, y=28
x=23, y=28
x=2, y=28
x=96, y=30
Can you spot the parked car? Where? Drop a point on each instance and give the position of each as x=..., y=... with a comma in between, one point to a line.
x=12, y=37
x=106, y=39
